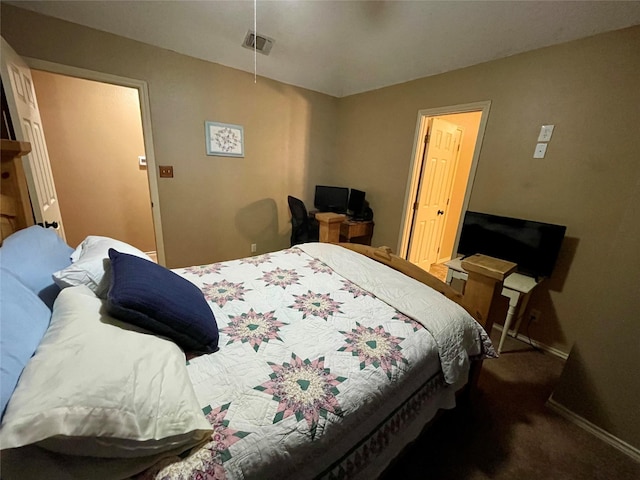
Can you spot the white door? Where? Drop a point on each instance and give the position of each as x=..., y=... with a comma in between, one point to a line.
x=23, y=108
x=438, y=169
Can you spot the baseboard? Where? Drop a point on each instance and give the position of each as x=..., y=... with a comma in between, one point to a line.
x=605, y=436
x=540, y=345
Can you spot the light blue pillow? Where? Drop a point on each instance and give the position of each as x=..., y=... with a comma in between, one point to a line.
x=32, y=255
x=23, y=321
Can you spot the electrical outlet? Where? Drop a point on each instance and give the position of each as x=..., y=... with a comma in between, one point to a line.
x=534, y=315
x=166, y=171
x=254, y=247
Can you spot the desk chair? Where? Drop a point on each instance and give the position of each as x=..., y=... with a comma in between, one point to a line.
x=303, y=229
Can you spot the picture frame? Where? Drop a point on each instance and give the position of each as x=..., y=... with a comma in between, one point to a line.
x=224, y=139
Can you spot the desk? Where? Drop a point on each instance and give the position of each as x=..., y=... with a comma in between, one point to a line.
x=355, y=231
x=336, y=227
x=516, y=287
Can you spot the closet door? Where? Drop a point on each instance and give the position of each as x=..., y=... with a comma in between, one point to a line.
x=23, y=107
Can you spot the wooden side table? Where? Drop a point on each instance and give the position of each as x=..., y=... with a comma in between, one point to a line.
x=516, y=287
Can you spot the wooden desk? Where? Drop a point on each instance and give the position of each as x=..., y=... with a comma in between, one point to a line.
x=516, y=287
x=336, y=227
x=354, y=231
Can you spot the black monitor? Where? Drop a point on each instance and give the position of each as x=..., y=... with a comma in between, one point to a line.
x=534, y=246
x=356, y=205
x=331, y=199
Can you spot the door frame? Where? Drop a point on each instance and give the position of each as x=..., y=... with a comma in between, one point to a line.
x=145, y=109
x=416, y=161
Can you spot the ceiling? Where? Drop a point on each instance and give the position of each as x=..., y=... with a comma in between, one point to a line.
x=346, y=47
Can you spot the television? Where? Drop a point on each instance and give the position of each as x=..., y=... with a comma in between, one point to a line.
x=534, y=246
x=331, y=199
x=356, y=204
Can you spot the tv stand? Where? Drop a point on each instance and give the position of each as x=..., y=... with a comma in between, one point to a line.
x=516, y=287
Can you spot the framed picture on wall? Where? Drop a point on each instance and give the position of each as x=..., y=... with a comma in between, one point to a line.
x=224, y=139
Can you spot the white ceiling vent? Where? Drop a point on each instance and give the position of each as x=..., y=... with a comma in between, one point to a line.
x=261, y=43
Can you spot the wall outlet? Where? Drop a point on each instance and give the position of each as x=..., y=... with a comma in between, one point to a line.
x=534, y=315
x=166, y=171
x=540, y=151
x=254, y=247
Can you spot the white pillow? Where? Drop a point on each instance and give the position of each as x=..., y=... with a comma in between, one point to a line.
x=90, y=264
x=96, y=387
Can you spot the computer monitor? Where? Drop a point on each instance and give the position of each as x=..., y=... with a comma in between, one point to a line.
x=331, y=199
x=356, y=205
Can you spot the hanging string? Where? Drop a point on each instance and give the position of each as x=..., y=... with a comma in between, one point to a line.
x=255, y=42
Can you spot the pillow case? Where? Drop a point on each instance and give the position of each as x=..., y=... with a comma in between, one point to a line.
x=90, y=265
x=96, y=388
x=23, y=320
x=161, y=301
x=32, y=255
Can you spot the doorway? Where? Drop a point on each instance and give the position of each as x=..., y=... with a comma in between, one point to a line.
x=147, y=198
x=98, y=162
x=445, y=154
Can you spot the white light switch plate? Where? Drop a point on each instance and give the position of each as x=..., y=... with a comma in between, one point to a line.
x=545, y=133
x=541, y=149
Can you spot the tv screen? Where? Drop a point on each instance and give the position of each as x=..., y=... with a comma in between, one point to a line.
x=331, y=199
x=356, y=202
x=534, y=246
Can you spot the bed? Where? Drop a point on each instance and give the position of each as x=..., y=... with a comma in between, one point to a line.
x=317, y=361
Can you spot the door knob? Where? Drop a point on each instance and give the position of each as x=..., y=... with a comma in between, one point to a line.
x=53, y=224
x=440, y=212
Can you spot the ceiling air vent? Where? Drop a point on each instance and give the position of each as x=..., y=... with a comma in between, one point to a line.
x=261, y=43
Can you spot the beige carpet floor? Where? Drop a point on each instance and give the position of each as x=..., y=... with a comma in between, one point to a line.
x=509, y=433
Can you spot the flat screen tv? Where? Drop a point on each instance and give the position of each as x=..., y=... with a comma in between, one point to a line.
x=331, y=199
x=534, y=246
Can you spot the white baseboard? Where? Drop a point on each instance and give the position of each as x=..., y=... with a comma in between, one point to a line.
x=541, y=346
x=612, y=440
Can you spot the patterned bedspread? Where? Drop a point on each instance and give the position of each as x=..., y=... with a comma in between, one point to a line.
x=311, y=363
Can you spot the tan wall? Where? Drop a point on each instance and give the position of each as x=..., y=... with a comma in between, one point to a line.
x=94, y=138
x=215, y=207
x=588, y=89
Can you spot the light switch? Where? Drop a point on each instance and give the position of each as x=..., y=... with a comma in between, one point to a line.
x=545, y=133
x=142, y=160
x=541, y=149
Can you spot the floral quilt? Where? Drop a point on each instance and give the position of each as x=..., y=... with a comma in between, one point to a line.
x=311, y=365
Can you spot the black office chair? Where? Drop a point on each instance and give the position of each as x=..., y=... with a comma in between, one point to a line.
x=303, y=229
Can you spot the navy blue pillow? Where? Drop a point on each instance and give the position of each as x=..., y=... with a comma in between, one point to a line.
x=152, y=297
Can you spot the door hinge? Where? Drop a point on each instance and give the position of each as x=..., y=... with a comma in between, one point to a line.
x=427, y=136
x=415, y=205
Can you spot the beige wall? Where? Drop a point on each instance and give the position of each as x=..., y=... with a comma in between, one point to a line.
x=589, y=90
x=215, y=207
x=94, y=138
